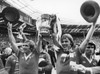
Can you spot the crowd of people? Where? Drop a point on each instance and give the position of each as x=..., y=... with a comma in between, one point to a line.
x=58, y=56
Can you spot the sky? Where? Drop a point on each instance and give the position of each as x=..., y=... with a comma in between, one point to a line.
x=66, y=10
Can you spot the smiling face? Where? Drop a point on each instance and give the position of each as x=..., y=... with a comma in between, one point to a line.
x=89, y=50
x=25, y=48
x=66, y=43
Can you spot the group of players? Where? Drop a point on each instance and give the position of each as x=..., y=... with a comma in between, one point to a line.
x=63, y=57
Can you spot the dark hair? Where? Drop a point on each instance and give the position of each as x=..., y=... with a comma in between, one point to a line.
x=92, y=44
x=31, y=44
x=31, y=47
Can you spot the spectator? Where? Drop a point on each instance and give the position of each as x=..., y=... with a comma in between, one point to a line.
x=11, y=64
x=5, y=54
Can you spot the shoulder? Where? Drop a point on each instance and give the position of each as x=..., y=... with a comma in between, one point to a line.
x=11, y=58
x=77, y=49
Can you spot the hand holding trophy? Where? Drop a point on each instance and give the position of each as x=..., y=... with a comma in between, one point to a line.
x=47, y=24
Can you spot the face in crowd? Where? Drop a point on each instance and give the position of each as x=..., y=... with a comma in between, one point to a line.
x=67, y=42
x=27, y=47
x=90, y=49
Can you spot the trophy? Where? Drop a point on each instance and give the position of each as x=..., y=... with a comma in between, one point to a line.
x=48, y=24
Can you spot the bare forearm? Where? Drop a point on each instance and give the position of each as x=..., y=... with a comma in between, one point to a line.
x=39, y=45
x=96, y=69
x=93, y=70
x=12, y=41
x=88, y=37
x=11, y=37
x=56, y=42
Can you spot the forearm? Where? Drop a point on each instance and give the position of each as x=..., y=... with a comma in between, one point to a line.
x=88, y=37
x=90, y=33
x=11, y=37
x=56, y=42
x=38, y=45
x=91, y=70
x=12, y=41
x=94, y=70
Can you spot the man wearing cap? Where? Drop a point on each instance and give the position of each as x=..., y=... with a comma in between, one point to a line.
x=87, y=59
x=28, y=55
x=67, y=56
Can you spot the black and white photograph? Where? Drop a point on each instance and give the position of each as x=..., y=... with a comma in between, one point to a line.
x=49, y=37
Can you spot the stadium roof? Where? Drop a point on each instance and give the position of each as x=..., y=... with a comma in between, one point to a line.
x=34, y=8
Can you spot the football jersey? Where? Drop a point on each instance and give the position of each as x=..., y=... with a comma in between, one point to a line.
x=29, y=66
x=87, y=63
x=64, y=59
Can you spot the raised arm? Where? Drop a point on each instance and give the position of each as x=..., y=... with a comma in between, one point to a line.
x=11, y=38
x=88, y=37
x=55, y=41
x=89, y=70
x=56, y=36
x=21, y=28
x=39, y=43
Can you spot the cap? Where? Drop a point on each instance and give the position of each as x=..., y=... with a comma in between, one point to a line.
x=92, y=43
